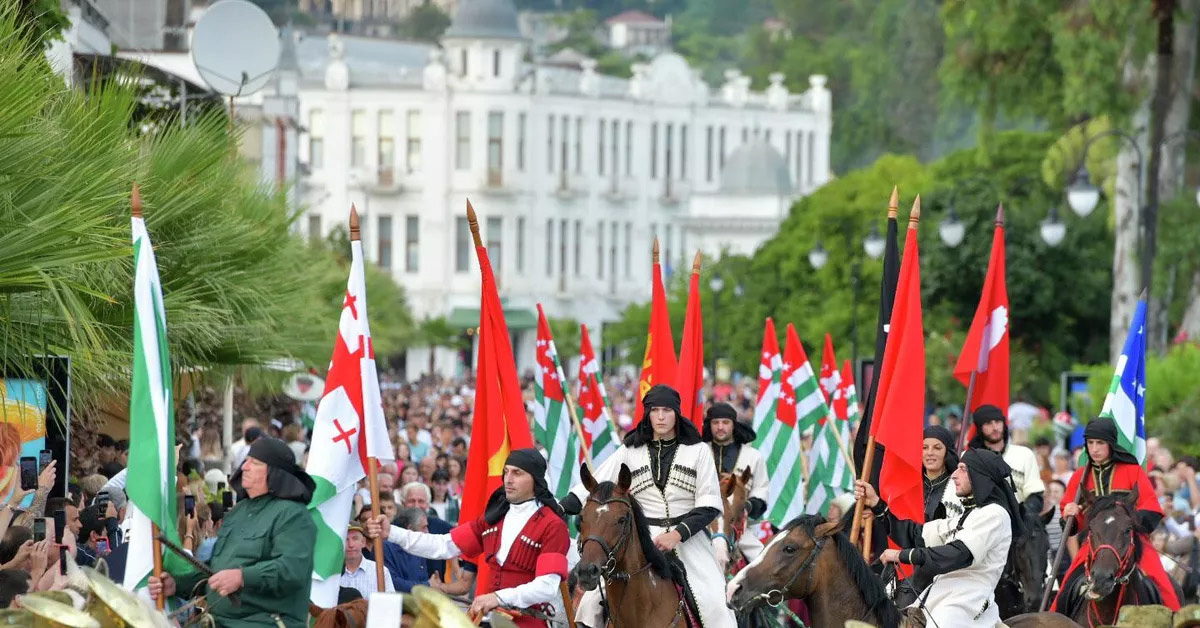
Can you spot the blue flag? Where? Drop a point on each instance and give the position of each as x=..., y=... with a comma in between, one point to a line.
x=1126, y=399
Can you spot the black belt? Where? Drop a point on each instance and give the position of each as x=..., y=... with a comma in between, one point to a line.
x=664, y=523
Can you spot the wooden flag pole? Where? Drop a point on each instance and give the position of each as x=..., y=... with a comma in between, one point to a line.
x=566, y=598
x=864, y=475
x=135, y=208
x=372, y=463
x=965, y=423
x=473, y=222
x=587, y=454
x=837, y=435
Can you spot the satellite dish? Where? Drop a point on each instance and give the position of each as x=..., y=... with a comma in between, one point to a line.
x=304, y=387
x=235, y=47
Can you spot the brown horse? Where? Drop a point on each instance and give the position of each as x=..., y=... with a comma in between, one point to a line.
x=812, y=560
x=735, y=490
x=617, y=554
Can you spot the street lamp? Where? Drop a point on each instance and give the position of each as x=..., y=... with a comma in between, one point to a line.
x=716, y=284
x=951, y=229
x=874, y=244
x=1052, y=229
x=1082, y=195
x=818, y=256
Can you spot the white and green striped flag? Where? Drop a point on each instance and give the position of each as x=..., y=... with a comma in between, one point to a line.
x=348, y=431
x=552, y=425
x=770, y=380
x=830, y=476
x=151, y=484
x=597, y=421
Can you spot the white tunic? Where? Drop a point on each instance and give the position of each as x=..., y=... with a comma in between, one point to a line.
x=749, y=457
x=965, y=597
x=1026, y=474
x=691, y=483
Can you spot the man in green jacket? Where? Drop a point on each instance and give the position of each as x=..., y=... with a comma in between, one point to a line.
x=264, y=551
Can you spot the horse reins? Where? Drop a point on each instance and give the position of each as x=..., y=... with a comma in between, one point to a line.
x=805, y=567
x=1124, y=573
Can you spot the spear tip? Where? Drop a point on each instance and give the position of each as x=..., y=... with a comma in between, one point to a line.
x=135, y=201
x=914, y=216
x=473, y=222
x=355, y=233
x=894, y=202
x=655, y=250
x=696, y=264
x=1000, y=215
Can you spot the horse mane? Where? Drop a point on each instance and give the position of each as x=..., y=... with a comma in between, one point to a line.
x=874, y=595
x=658, y=560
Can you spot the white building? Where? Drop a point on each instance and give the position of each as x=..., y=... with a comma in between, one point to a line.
x=637, y=31
x=572, y=173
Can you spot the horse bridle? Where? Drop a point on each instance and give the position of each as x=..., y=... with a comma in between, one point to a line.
x=805, y=566
x=611, y=552
x=1125, y=568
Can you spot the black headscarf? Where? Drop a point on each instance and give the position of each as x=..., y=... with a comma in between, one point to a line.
x=990, y=484
x=742, y=433
x=944, y=435
x=662, y=396
x=531, y=462
x=986, y=414
x=1105, y=429
x=285, y=478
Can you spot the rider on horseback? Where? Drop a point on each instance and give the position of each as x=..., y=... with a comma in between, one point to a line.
x=966, y=560
x=674, y=479
x=939, y=460
x=991, y=431
x=731, y=442
x=1112, y=469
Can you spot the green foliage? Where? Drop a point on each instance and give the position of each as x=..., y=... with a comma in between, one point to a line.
x=566, y=334
x=40, y=21
x=426, y=22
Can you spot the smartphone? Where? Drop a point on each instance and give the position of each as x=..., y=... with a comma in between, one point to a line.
x=101, y=499
x=102, y=547
x=62, y=559
x=44, y=458
x=29, y=473
x=220, y=487
x=227, y=500
x=39, y=529
x=189, y=505
x=60, y=524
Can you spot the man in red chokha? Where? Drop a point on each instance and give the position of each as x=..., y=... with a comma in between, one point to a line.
x=522, y=535
x=1112, y=469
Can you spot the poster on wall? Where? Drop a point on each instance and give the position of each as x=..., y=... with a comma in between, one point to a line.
x=34, y=417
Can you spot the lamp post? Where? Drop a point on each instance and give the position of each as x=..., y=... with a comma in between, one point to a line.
x=873, y=245
x=716, y=284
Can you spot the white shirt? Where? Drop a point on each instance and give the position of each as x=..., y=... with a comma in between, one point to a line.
x=964, y=597
x=1026, y=474
x=364, y=580
x=540, y=590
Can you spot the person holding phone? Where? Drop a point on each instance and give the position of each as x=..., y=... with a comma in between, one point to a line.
x=93, y=536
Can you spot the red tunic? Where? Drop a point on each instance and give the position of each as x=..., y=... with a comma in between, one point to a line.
x=1124, y=477
x=540, y=549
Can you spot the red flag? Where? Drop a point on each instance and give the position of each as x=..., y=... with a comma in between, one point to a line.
x=831, y=382
x=770, y=360
x=658, y=365
x=899, y=422
x=500, y=425
x=986, y=350
x=689, y=377
x=850, y=394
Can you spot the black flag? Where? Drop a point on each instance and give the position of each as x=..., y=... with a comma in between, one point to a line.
x=887, y=296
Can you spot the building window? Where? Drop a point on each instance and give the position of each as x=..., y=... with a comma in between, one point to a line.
x=358, y=138
x=799, y=159
x=462, y=244
x=575, y=248
x=628, y=148
x=564, y=163
x=316, y=140
x=386, y=146
x=550, y=144
x=496, y=62
x=787, y=148
x=628, y=250
x=600, y=249
x=600, y=148
x=767, y=136
x=314, y=229
x=412, y=228
x=667, y=248
x=708, y=156
x=616, y=133
x=521, y=142
x=384, y=241
x=745, y=134
x=721, y=148
x=683, y=152
x=562, y=247
x=495, y=231
x=495, y=147
x=520, y=244
x=549, y=247
x=462, y=140
x=654, y=151
x=412, y=152
x=812, y=139
x=462, y=60
x=578, y=145
x=670, y=141
x=612, y=258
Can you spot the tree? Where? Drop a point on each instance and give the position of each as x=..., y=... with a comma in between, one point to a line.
x=39, y=22
x=438, y=332
x=426, y=22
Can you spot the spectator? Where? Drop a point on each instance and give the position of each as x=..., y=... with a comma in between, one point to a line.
x=359, y=572
x=92, y=485
x=427, y=467
x=455, y=467
x=106, y=449
x=293, y=436
x=409, y=475
x=211, y=453
x=13, y=582
x=241, y=447
x=444, y=504
x=387, y=504
x=93, y=536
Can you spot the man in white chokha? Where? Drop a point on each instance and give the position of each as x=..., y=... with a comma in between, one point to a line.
x=732, y=443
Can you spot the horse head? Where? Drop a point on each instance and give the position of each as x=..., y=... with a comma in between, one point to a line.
x=787, y=567
x=735, y=492
x=1111, y=531
x=1029, y=555
x=607, y=527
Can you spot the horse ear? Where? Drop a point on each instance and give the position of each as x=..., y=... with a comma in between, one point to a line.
x=1088, y=498
x=747, y=474
x=828, y=529
x=585, y=475
x=624, y=478
x=1131, y=497
x=1046, y=517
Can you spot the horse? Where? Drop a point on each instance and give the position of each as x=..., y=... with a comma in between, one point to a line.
x=1110, y=572
x=615, y=547
x=813, y=560
x=735, y=490
x=1020, y=587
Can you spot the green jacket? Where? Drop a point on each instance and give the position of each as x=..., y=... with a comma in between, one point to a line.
x=272, y=541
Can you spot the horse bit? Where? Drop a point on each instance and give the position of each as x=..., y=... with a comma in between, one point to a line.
x=805, y=566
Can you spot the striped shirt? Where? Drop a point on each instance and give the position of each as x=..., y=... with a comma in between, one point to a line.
x=364, y=580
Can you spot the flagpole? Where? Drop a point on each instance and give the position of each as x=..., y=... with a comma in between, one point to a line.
x=587, y=454
x=837, y=435
x=964, y=426
x=864, y=475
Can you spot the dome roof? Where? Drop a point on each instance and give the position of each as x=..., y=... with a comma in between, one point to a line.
x=485, y=19
x=756, y=168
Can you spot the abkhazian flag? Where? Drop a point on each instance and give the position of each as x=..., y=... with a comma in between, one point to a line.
x=829, y=476
x=1126, y=399
x=349, y=429
x=551, y=418
x=770, y=380
x=850, y=394
x=151, y=485
x=599, y=434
